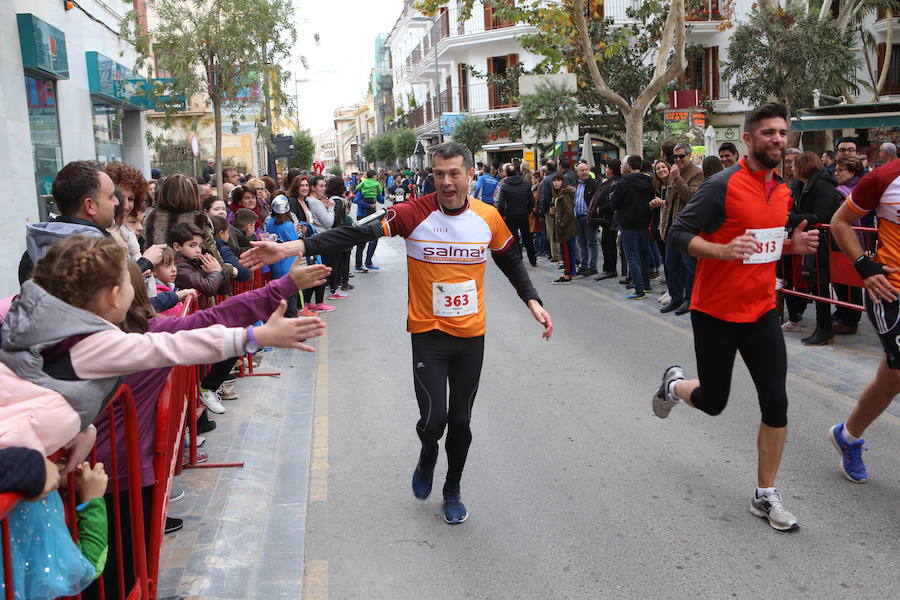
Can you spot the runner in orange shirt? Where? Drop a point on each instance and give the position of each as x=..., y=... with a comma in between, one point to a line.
x=879, y=190
x=448, y=238
x=735, y=226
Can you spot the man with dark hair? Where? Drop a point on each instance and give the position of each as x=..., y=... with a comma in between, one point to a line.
x=485, y=186
x=514, y=205
x=631, y=201
x=86, y=199
x=448, y=236
x=601, y=212
x=735, y=225
x=728, y=154
x=569, y=176
x=828, y=161
x=684, y=179
x=230, y=175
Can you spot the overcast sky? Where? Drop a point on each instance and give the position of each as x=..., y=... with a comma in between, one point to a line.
x=339, y=66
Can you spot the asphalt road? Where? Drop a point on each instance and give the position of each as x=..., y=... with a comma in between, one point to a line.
x=574, y=488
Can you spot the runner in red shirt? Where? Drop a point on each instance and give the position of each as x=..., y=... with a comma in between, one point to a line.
x=448, y=239
x=735, y=225
x=879, y=190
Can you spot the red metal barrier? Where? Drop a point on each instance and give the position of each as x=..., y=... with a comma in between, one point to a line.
x=839, y=271
x=178, y=406
x=120, y=412
x=8, y=502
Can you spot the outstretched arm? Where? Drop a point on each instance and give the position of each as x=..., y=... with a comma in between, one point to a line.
x=340, y=238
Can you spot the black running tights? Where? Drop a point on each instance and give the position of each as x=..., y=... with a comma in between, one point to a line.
x=761, y=345
x=439, y=359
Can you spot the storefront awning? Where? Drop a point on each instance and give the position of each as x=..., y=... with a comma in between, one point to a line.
x=504, y=146
x=827, y=122
x=848, y=116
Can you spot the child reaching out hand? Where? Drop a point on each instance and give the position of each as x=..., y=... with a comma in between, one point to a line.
x=62, y=355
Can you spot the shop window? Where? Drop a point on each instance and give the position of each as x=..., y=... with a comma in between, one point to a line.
x=107, y=132
x=892, y=83
x=43, y=120
x=702, y=73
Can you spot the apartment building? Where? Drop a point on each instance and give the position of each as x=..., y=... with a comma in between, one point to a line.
x=704, y=74
x=326, y=147
x=439, y=64
x=69, y=93
x=433, y=59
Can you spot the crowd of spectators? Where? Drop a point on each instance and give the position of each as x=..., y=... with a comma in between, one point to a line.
x=104, y=282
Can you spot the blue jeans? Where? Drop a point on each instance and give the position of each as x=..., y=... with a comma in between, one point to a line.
x=587, y=243
x=636, y=244
x=370, y=251
x=541, y=244
x=680, y=268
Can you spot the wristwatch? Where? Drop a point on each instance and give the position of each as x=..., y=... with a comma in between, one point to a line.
x=251, y=345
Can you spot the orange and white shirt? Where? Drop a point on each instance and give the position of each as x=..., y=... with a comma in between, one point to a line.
x=879, y=190
x=446, y=254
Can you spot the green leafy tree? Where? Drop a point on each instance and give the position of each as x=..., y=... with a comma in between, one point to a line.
x=335, y=170
x=368, y=151
x=550, y=110
x=304, y=150
x=404, y=144
x=209, y=49
x=777, y=55
x=383, y=147
x=622, y=69
x=472, y=133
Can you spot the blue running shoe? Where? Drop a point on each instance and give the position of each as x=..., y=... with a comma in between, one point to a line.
x=372, y=267
x=454, y=510
x=421, y=484
x=851, y=455
x=362, y=269
x=635, y=296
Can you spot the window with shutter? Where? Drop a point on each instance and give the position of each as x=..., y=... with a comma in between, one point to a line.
x=463, y=89
x=892, y=83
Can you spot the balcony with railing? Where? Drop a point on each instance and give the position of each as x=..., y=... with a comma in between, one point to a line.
x=478, y=98
x=695, y=10
x=449, y=23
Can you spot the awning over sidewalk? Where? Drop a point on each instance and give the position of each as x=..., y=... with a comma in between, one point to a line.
x=848, y=116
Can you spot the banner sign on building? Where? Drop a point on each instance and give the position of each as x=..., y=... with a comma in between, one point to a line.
x=43, y=48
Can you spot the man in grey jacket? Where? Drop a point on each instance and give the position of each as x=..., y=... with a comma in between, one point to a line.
x=684, y=179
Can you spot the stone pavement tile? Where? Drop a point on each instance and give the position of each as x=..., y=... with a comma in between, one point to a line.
x=244, y=527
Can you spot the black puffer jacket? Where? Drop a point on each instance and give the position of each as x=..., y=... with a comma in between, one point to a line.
x=816, y=203
x=631, y=201
x=818, y=200
x=515, y=197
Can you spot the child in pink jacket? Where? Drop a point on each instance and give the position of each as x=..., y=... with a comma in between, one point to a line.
x=62, y=357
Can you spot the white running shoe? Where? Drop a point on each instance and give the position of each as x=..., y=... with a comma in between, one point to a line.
x=771, y=507
x=662, y=404
x=212, y=401
x=665, y=298
x=790, y=326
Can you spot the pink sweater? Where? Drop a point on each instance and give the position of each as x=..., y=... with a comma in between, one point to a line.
x=35, y=417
